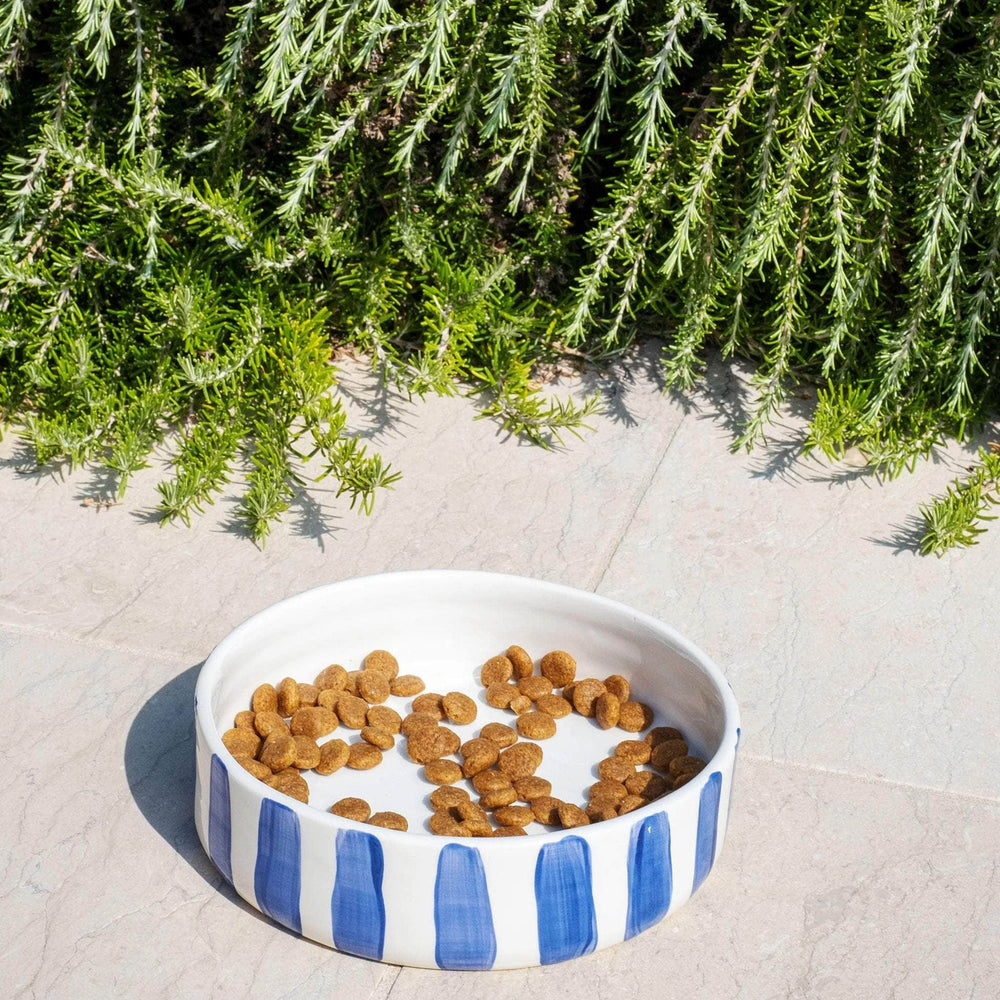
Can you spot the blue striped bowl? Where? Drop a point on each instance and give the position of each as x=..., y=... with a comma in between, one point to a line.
x=437, y=902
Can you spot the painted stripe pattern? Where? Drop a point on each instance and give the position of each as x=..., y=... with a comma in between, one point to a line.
x=277, y=879
x=650, y=873
x=220, y=822
x=357, y=909
x=564, y=897
x=463, y=919
x=708, y=828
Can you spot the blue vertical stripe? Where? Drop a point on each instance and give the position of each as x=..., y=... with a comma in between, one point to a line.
x=463, y=918
x=650, y=873
x=357, y=910
x=277, y=877
x=220, y=822
x=567, y=923
x=708, y=828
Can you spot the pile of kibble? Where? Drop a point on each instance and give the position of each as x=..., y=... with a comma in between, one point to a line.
x=278, y=738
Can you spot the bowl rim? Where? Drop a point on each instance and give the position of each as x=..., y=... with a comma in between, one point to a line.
x=210, y=670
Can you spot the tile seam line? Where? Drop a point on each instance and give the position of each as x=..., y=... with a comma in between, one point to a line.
x=867, y=779
x=44, y=633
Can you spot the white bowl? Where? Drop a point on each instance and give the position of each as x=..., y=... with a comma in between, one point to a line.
x=439, y=902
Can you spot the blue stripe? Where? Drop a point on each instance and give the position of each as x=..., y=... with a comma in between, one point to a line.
x=220, y=829
x=357, y=910
x=463, y=919
x=277, y=878
x=650, y=873
x=567, y=923
x=708, y=828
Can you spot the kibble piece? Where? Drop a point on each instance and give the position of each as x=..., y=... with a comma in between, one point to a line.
x=478, y=754
x=634, y=716
x=328, y=698
x=571, y=815
x=459, y=708
x=244, y=719
x=385, y=718
x=683, y=765
x=606, y=788
x=545, y=808
x=383, y=661
x=600, y=810
x=472, y=813
x=536, y=725
x=430, y=703
x=629, y=803
x=585, y=695
x=426, y=743
x=660, y=734
x=315, y=722
x=682, y=779
x=510, y=831
x=663, y=753
x=290, y=782
x=307, y=754
x=554, y=705
x=615, y=769
x=265, y=699
x=352, y=808
x=288, y=697
x=255, y=767
x=445, y=825
x=496, y=670
x=389, y=820
x=500, y=694
x=352, y=681
x=520, y=660
x=332, y=756
x=331, y=678
x=279, y=751
x=373, y=686
x=567, y=692
x=363, y=756
x=648, y=784
x=490, y=781
x=514, y=815
x=634, y=751
x=241, y=742
x=534, y=686
x=442, y=772
x=520, y=704
x=352, y=710
x=559, y=667
x=378, y=737
x=406, y=685
x=498, y=733
x=448, y=797
x=531, y=788
x=607, y=710
x=618, y=686
x=498, y=797
x=308, y=694
x=418, y=720
x=521, y=760
x=267, y=722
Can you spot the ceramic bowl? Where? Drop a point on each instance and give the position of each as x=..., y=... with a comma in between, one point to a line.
x=413, y=898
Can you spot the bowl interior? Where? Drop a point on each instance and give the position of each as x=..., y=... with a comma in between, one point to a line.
x=442, y=626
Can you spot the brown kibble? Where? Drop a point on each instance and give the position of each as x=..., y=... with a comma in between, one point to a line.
x=571, y=815
x=634, y=751
x=499, y=695
x=267, y=722
x=554, y=705
x=607, y=709
x=496, y=670
x=498, y=733
x=389, y=820
x=559, y=667
x=418, y=720
x=351, y=687
x=536, y=725
x=601, y=809
x=352, y=808
x=363, y=756
x=442, y=772
x=459, y=708
x=279, y=751
x=478, y=755
x=315, y=722
x=530, y=788
x=444, y=824
x=585, y=695
x=265, y=699
x=241, y=742
x=520, y=661
x=634, y=716
x=534, y=686
x=473, y=813
x=514, y=815
x=618, y=686
x=331, y=678
x=244, y=720
x=448, y=797
x=426, y=743
x=520, y=704
x=510, y=831
x=288, y=697
x=606, y=788
x=490, y=781
x=682, y=779
x=660, y=734
x=255, y=767
x=545, y=809
x=378, y=737
x=328, y=698
x=307, y=754
x=648, y=784
x=373, y=686
x=615, y=769
x=332, y=756
x=498, y=797
x=663, y=753
x=308, y=695
x=352, y=710
x=567, y=692
x=383, y=661
x=428, y=703
x=631, y=802
x=521, y=760
x=290, y=782
x=406, y=685
x=384, y=718
x=685, y=765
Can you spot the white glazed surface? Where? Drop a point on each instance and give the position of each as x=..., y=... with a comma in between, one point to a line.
x=442, y=625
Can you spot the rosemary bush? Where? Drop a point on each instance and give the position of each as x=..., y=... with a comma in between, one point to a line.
x=201, y=203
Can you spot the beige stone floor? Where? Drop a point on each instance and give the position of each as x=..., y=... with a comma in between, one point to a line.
x=862, y=854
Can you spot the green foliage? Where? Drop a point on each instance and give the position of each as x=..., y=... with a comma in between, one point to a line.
x=200, y=203
x=955, y=519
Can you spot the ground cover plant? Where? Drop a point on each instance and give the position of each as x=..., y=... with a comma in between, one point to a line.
x=202, y=203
